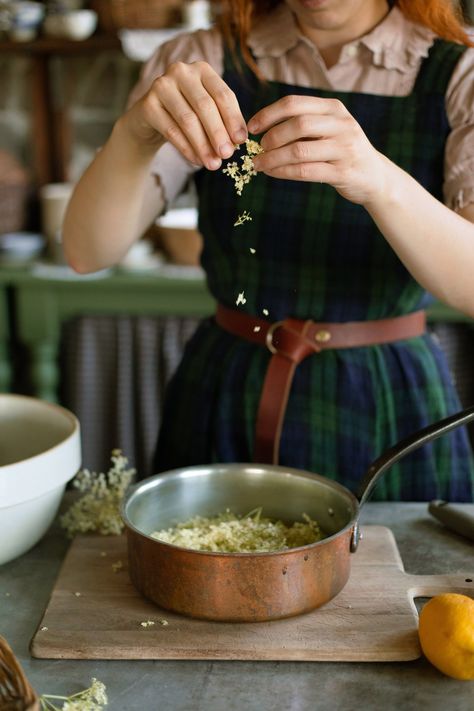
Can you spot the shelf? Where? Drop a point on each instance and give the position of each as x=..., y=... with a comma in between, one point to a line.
x=51, y=45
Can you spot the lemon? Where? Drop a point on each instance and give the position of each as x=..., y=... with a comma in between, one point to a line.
x=446, y=631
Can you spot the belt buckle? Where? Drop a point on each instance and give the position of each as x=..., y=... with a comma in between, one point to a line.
x=269, y=336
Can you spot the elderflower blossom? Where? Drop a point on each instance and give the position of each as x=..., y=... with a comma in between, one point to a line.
x=242, y=175
x=242, y=218
x=253, y=147
x=98, y=509
x=92, y=699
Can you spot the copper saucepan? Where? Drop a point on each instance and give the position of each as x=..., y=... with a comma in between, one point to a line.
x=252, y=587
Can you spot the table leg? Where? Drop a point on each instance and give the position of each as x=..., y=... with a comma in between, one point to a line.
x=5, y=368
x=5, y=363
x=44, y=370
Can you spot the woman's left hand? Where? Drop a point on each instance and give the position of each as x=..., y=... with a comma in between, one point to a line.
x=317, y=140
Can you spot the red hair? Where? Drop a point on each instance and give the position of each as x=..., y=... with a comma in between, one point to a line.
x=237, y=18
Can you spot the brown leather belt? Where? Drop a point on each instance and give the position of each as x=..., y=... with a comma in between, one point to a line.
x=291, y=341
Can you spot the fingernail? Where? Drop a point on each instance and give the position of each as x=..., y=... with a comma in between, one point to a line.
x=240, y=136
x=213, y=163
x=226, y=150
x=253, y=126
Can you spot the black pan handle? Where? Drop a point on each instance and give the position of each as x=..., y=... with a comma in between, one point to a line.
x=401, y=449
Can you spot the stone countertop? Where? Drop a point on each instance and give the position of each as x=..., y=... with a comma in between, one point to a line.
x=425, y=547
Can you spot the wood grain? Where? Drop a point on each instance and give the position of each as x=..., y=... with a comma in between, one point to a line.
x=96, y=613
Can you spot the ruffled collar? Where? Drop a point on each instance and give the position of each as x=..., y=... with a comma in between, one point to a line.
x=395, y=43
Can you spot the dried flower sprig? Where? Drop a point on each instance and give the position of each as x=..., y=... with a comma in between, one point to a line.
x=92, y=699
x=98, y=509
x=243, y=218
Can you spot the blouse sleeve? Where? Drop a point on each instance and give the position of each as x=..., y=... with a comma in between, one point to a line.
x=169, y=166
x=459, y=153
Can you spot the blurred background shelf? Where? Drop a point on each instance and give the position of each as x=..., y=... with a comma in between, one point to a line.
x=50, y=45
x=50, y=126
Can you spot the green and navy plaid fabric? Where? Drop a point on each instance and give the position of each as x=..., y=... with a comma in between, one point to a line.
x=309, y=253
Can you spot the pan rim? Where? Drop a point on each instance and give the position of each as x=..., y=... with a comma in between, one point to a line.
x=151, y=482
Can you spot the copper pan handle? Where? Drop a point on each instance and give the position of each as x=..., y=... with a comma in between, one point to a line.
x=401, y=449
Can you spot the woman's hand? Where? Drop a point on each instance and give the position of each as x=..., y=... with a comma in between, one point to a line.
x=317, y=140
x=193, y=108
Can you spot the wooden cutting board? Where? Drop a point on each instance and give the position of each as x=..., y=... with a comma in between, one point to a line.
x=95, y=613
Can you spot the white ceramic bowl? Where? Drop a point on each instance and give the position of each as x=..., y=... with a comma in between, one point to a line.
x=40, y=452
x=75, y=25
x=18, y=248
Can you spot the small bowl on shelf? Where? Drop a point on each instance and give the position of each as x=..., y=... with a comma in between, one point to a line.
x=25, y=20
x=19, y=249
x=178, y=237
x=74, y=25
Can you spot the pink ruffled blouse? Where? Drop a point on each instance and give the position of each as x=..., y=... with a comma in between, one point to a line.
x=385, y=62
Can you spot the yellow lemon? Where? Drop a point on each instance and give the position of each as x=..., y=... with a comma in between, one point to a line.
x=446, y=631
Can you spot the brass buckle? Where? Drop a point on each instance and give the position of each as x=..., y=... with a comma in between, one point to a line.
x=269, y=336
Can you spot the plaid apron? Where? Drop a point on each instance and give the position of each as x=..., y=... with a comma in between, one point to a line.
x=310, y=253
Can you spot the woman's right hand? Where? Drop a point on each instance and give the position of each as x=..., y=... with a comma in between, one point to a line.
x=193, y=108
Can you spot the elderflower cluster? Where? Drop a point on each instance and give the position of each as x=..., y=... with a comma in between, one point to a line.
x=98, y=509
x=92, y=699
x=242, y=175
x=228, y=533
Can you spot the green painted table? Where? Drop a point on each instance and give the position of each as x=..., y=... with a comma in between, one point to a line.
x=43, y=303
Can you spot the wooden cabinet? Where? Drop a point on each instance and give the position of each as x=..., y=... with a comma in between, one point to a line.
x=50, y=127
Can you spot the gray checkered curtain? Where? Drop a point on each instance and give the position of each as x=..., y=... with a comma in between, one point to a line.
x=457, y=342
x=113, y=375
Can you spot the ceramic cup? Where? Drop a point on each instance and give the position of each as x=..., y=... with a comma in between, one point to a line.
x=54, y=198
x=26, y=18
x=197, y=14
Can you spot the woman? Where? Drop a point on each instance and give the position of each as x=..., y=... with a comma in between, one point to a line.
x=362, y=207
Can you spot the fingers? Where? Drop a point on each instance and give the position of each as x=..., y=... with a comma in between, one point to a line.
x=184, y=116
x=307, y=172
x=156, y=117
x=301, y=127
x=198, y=113
x=294, y=105
x=214, y=106
x=298, y=152
x=227, y=104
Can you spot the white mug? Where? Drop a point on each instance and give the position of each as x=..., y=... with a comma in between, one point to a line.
x=54, y=199
x=197, y=14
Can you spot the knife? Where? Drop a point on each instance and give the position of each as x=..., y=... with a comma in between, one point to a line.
x=454, y=517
